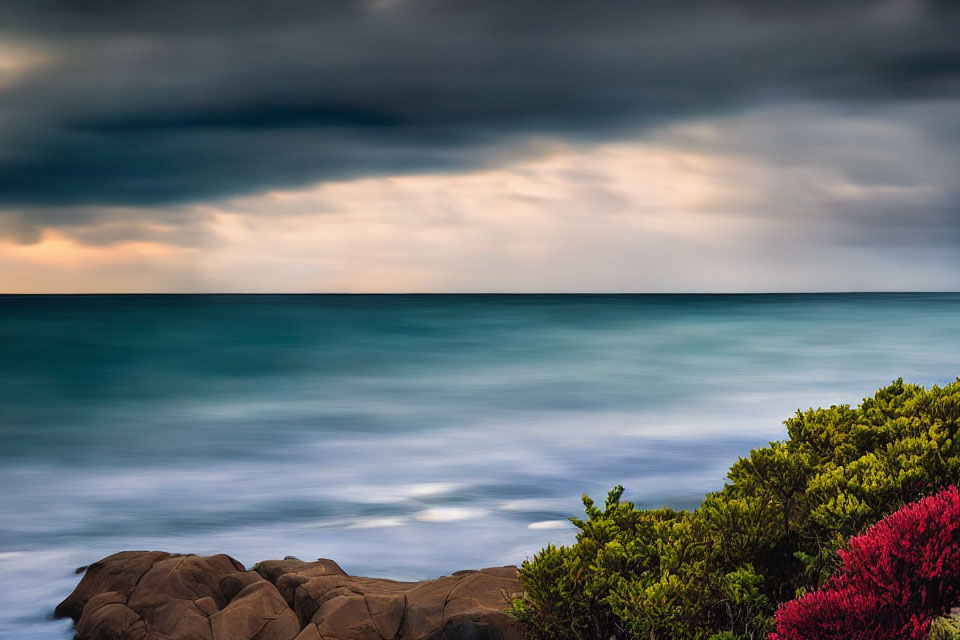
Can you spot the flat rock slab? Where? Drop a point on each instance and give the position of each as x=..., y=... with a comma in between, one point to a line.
x=153, y=595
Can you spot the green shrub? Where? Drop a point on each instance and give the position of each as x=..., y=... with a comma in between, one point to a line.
x=770, y=534
x=947, y=628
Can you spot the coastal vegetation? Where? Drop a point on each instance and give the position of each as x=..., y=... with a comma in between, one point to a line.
x=778, y=530
x=895, y=580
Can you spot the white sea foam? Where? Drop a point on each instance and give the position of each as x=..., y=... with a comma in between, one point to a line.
x=389, y=494
x=377, y=523
x=549, y=524
x=562, y=505
x=450, y=514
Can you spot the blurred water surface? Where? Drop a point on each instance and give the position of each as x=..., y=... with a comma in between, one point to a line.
x=403, y=436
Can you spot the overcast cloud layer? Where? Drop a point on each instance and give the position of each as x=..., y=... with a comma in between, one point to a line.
x=833, y=128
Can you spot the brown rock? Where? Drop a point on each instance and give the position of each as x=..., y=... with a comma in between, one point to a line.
x=387, y=611
x=425, y=604
x=271, y=570
x=159, y=596
x=312, y=595
x=310, y=632
x=344, y=616
x=119, y=572
x=289, y=574
x=165, y=595
x=183, y=577
x=101, y=599
x=231, y=584
x=258, y=612
x=206, y=605
x=112, y=620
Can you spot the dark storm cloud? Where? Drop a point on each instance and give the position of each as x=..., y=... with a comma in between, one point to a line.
x=173, y=102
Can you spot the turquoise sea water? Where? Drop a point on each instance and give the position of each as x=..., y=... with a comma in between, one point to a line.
x=403, y=436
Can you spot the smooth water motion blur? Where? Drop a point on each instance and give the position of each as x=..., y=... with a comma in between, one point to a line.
x=403, y=436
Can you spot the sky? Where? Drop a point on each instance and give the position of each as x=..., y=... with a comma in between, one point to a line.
x=464, y=146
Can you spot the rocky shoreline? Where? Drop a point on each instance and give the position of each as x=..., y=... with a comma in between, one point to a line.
x=154, y=595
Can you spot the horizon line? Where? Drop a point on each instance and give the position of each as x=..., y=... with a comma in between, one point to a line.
x=474, y=293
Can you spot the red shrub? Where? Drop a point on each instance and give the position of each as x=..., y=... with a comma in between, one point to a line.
x=898, y=577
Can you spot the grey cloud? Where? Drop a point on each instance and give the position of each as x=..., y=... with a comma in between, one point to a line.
x=104, y=226
x=872, y=176
x=150, y=103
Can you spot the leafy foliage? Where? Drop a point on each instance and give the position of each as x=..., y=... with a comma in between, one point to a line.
x=946, y=628
x=896, y=579
x=771, y=534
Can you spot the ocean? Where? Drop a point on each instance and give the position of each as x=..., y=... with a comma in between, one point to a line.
x=402, y=436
